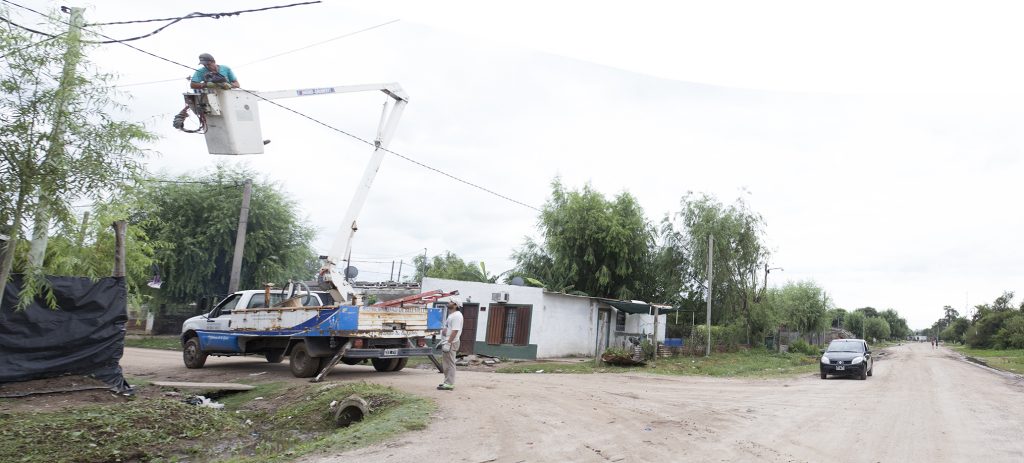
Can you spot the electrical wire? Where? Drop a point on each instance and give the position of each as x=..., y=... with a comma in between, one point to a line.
x=47, y=34
x=33, y=44
x=321, y=123
x=211, y=15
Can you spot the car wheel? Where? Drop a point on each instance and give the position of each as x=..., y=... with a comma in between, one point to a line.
x=384, y=364
x=275, y=356
x=824, y=375
x=194, y=356
x=302, y=365
x=864, y=374
x=871, y=370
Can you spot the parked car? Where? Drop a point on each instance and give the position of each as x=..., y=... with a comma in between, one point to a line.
x=847, y=357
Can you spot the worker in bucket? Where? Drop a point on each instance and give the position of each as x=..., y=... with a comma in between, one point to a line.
x=450, y=345
x=213, y=75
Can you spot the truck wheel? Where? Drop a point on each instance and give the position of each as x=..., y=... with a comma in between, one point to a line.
x=302, y=365
x=194, y=357
x=384, y=364
x=275, y=356
x=401, y=364
x=351, y=361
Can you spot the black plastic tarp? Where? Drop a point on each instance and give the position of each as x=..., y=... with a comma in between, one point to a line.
x=84, y=335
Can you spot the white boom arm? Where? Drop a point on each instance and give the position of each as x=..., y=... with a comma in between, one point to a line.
x=385, y=131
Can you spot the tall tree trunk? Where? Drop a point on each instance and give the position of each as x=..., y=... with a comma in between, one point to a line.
x=12, y=240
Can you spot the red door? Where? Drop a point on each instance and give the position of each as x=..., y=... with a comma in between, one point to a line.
x=467, y=339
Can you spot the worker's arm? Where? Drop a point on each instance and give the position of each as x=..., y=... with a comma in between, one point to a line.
x=235, y=84
x=452, y=337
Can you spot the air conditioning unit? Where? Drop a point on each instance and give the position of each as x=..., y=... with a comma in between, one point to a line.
x=499, y=297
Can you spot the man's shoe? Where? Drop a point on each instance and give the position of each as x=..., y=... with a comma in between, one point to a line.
x=446, y=387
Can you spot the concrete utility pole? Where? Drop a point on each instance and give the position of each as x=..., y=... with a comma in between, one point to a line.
x=73, y=54
x=711, y=254
x=120, y=268
x=243, y=223
x=424, y=274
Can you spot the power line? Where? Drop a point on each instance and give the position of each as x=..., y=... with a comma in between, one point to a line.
x=47, y=34
x=324, y=124
x=349, y=34
x=201, y=15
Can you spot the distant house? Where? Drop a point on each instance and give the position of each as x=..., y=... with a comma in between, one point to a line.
x=525, y=322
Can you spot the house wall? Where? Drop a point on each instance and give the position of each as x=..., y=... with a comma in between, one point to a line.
x=560, y=325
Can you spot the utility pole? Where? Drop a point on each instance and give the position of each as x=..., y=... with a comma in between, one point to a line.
x=243, y=223
x=711, y=254
x=41, y=225
x=424, y=274
x=400, y=262
x=391, y=276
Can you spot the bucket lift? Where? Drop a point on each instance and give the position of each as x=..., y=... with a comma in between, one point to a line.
x=230, y=120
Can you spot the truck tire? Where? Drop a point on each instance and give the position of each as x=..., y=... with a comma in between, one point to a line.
x=302, y=365
x=275, y=356
x=351, y=361
x=194, y=356
x=384, y=364
x=401, y=364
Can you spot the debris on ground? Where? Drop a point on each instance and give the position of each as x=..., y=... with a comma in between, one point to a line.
x=202, y=401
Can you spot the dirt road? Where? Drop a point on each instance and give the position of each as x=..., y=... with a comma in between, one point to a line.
x=922, y=404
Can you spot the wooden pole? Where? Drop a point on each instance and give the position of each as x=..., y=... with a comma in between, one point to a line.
x=711, y=247
x=120, y=227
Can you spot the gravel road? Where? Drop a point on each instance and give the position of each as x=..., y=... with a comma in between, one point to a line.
x=922, y=404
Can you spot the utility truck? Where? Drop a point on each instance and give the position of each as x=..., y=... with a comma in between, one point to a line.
x=313, y=334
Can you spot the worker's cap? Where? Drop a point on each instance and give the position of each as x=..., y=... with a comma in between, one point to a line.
x=206, y=58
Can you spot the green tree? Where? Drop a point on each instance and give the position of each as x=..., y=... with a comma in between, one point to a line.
x=877, y=328
x=836, y=317
x=451, y=267
x=855, y=323
x=867, y=312
x=59, y=141
x=898, y=326
x=740, y=256
x=591, y=245
x=804, y=306
x=192, y=222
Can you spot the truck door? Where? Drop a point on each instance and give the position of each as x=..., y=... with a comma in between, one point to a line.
x=220, y=317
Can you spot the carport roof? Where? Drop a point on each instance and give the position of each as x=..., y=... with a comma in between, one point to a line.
x=638, y=307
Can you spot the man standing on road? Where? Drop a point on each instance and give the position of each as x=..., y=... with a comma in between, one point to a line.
x=213, y=75
x=450, y=345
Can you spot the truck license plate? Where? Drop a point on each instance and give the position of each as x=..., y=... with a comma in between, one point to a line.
x=390, y=352
x=840, y=368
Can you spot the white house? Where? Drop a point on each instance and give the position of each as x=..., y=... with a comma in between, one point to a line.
x=526, y=322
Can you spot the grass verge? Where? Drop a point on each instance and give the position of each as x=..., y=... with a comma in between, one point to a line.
x=153, y=342
x=748, y=363
x=1011, y=360
x=274, y=422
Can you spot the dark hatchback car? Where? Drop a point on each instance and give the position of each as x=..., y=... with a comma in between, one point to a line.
x=847, y=357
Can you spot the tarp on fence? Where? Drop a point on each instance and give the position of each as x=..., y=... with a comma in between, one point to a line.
x=84, y=335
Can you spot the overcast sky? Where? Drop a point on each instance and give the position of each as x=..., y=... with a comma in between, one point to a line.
x=880, y=140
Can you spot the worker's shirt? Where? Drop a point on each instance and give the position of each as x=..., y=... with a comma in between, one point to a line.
x=223, y=70
x=452, y=323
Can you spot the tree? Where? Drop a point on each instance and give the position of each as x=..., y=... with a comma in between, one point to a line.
x=867, y=312
x=804, y=306
x=590, y=245
x=740, y=256
x=451, y=267
x=836, y=317
x=855, y=322
x=192, y=221
x=58, y=139
x=898, y=326
x=876, y=328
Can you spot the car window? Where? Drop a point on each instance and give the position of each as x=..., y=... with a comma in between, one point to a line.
x=846, y=346
x=226, y=306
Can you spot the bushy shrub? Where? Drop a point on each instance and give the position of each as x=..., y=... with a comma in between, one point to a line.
x=802, y=347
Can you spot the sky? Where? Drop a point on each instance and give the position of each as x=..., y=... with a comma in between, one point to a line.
x=880, y=141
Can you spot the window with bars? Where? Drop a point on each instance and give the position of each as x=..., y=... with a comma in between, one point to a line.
x=508, y=324
x=620, y=321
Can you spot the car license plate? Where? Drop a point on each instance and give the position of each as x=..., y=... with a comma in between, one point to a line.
x=390, y=352
x=840, y=368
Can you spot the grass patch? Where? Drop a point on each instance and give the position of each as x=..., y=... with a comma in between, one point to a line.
x=748, y=363
x=136, y=430
x=290, y=420
x=306, y=425
x=153, y=342
x=1011, y=360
